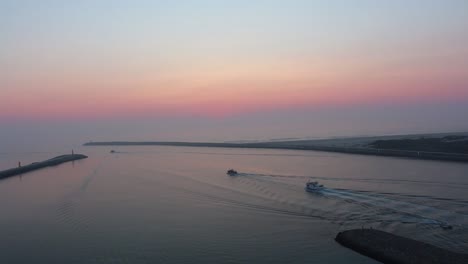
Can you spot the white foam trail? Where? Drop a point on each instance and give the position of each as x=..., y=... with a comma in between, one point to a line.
x=427, y=214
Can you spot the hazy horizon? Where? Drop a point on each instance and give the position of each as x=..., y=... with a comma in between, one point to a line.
x=246, y=70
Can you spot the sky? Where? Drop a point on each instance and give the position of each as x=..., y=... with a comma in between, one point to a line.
x=226, y=70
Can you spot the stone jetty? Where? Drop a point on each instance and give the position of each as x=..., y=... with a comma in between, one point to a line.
x=390, y=248
x=39, y=165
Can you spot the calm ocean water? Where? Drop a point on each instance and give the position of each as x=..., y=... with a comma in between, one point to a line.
x=176, y=205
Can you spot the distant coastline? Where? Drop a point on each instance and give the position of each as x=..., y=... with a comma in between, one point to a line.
x=448, y=147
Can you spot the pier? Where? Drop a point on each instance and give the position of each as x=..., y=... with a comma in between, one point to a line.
x=39, y=165
x=390, y=248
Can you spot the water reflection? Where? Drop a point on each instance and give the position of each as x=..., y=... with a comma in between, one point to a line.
x=175, y=204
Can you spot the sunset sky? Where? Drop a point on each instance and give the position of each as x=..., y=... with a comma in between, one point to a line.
x=234, y=61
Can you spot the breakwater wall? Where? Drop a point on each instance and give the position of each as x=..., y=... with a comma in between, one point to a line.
x=39, y=165
x=390, y=152
x=296, y=146
x=390, y=248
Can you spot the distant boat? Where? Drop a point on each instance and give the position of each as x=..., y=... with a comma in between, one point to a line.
x=313, y=186
x=112, y=151
x=231, y=172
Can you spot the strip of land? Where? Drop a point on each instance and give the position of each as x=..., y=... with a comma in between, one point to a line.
x=448, y=147
x=389, y=248
x=39, y=165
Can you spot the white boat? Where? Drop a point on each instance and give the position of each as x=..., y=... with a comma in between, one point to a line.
x=313, y=186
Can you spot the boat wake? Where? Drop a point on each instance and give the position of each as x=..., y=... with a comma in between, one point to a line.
x=408, y=211
x=387, y=204
x=372, y=180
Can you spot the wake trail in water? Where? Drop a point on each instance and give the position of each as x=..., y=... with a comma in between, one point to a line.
x=407, y=211
x=66, y=210
x=427, y=214
x=79, y=223
x=344, y=211
x=382, y=180
x=256, y=207
x=263, y=199
x=396, y=181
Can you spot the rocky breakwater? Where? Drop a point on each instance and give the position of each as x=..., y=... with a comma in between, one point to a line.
x=390, y=248
x=39, y=165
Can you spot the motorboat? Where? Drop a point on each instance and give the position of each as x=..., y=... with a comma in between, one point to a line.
x=112, y=151
x=231, y=172
x=313, y=186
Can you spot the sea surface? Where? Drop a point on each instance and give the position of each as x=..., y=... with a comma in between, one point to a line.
x=160, y=204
